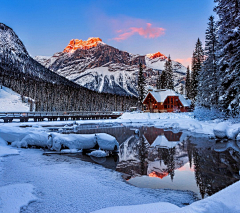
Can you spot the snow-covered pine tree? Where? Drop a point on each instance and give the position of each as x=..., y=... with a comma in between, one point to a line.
x=141, y=85
x=188, y=83
x=158, y=84
x=207, y=88
x=197, y=60
x=181, y=89
x=163, y=81
x=169, y=74
x=229, y=55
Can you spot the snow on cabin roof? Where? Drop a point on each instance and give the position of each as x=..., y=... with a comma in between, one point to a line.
x=161, y=95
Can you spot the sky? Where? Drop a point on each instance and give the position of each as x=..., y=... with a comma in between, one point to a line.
x=171, y=27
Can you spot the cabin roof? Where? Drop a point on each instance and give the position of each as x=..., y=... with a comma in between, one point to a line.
x=161, y=95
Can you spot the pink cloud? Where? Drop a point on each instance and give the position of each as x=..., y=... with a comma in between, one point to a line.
x=148, y=32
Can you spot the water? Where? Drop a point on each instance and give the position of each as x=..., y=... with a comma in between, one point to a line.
x=155, y=158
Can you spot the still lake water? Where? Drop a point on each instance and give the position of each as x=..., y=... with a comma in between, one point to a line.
x=156, y=158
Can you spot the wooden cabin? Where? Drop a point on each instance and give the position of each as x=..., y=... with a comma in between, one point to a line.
x=165, y=101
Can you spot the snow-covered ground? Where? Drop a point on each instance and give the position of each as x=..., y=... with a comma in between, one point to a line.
x=58, y=183
x=10, y=101
x=64, y=184
x=225, y=201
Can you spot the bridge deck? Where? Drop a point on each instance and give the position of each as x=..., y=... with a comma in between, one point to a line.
x=54, y=116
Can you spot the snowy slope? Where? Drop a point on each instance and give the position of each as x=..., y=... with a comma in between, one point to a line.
x=103, y=80
x=10, y=101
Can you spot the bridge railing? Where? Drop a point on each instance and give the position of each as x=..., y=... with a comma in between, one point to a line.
x=57, y=113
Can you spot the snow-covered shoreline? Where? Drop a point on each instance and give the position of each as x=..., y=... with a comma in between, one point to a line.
x=49, y=176
x=176, y=121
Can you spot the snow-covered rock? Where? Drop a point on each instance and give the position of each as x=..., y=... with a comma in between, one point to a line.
x=57, y=141
x=233, y=131
x=107, y=142
x=33, y=139
x=98, y=154
x=226, y=130
x=220, y=130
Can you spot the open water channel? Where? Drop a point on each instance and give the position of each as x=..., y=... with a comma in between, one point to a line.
x=158, y=158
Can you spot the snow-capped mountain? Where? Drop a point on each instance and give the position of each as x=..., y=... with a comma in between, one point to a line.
x=49, y=91
x=15, y=58
x=103, y=68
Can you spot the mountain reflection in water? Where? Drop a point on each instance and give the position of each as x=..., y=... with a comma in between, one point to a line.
x=155, y=158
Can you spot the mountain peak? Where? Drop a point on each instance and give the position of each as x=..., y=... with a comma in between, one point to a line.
x=10, y=41
x=156, y=55
x=75, y=44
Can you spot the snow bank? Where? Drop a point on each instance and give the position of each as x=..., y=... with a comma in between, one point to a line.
x=33, y=139
x=98, y=154
x=6, y=150
x=145, y=208
x=184, y=121
x=225, y=201
x=13, y=197
x=135, y=115
x=11, y=134
x=82, y=141
x=226, y=130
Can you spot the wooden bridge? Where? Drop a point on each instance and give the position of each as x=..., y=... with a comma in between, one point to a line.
x=8, y=117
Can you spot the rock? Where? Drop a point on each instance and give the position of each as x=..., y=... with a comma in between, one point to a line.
x=98, y=154
x=220, y=131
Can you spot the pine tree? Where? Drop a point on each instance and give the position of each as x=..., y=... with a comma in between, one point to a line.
x=163, y=80
x=181, y=89
x=207, y=89
x=229, y=55
x=141, y=85
x=188, y=83
x=197, y=60
x=169, y=74
x=158, y=84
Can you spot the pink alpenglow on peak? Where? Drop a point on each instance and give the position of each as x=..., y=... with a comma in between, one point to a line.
x=75, y=44
x=156, y=55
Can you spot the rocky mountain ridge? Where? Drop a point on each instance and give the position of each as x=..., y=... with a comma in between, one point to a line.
x=103, y=68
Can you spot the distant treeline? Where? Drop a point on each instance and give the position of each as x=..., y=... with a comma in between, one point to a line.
x=53, y=92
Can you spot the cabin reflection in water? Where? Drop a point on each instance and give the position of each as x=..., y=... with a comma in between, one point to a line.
x=166, y=154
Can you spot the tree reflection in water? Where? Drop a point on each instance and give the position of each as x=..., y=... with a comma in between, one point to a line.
x=203, y=165
x=167, y=152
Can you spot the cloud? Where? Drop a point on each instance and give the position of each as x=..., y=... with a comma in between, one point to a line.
x=148, y=32
x=184, y=61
